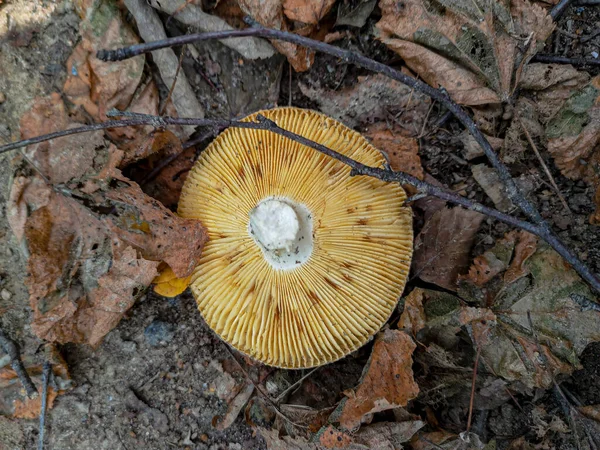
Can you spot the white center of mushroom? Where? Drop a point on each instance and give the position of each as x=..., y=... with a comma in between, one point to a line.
x=282, y=229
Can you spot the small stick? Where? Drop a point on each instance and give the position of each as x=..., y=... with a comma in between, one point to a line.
x=474, y=379
x=544, y=166
x=164, y=106
x=559, y=9
x=565, y=60
x=294, y=386
x=47, y=370
x=12, y=349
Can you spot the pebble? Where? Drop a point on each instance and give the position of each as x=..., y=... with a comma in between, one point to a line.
x=158, y=333
x=2, y=97
x=5, y=294
x=129, y=346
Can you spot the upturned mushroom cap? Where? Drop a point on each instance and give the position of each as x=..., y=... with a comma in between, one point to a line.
x=319, y=307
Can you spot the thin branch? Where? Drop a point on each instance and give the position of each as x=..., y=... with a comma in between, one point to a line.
x=543, y=164
x=348, y=57
x=46, y=374
x=551, y=59
x=12, y=350
x=440, y=95
x=473, y=382
x=559, y=9
x=297, y=384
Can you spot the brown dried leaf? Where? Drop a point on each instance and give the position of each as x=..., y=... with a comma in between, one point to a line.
x=95, y=85
x=388, y=435
x=235, y=407
x=387, y=380
x=412, y=319
x=442, y=247
x=331, y=437
x=402, y=152
x=269, y=13
x=574, y=138
x=373, y=97
x=471, y=48
x=310, y=12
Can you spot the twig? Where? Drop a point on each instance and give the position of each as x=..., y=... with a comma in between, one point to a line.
x=179, y=63
x=543, y=164
x=349, y=57
x=541, y=227
x=565, y=60
x=45, y=380
x=559, y=9
x=12, y=350
x=294, y=386
x=387, y=175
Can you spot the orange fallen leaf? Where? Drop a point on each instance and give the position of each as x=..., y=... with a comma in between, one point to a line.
x=387, y=380
x=330, y=437
x=310, y=12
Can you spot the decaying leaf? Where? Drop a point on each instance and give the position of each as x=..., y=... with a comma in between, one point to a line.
x=234, y=408
x=537, y=281
x=388, y=435
x=443, y=245
x=13, y=400
x=94, y=240
x=402, y=152
x=95, y=85
x=373, y=97
x=412, y=319
x=286, y=15
x=476, y=50
x=574, y=138
x=387, y=380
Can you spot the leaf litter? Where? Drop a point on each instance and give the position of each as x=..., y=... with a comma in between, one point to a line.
x=96, y=241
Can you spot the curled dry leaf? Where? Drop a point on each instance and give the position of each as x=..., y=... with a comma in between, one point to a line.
x=412, y=319
x=95, y=85
x=276, y=14
x=574, y=138
x=442, y=247
x=474, y=49
x=537, y=281
x=387, y=380
x=13, y=400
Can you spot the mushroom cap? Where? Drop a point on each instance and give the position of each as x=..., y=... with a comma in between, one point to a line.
x=341, y=296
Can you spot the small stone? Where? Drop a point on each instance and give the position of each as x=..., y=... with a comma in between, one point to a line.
x=2, y=97
x=129, y=346
x=159, y=333
x=5, y=294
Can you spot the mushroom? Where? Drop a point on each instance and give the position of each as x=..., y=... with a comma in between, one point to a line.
x=305, y=263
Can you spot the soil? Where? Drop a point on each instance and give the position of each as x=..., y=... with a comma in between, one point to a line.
x=156, y=380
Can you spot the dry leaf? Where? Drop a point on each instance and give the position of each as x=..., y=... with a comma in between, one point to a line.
x=537, y=281
x=442, y=247
x=13, y=400
x=310, y=12
x=574, y=138
x=274, y=442
x=387, y=380
x=234, y=408
x=269, y=13
x=95, y=85
x=412, y=319
x=474, y=49
x=331, y=437
x=402, y=152
x=372, y=97
x=490, y=182
x=388, y=435
x=491, y=263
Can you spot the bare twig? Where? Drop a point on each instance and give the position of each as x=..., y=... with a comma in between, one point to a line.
x=294, y=386
x=47, y=370
x=12, y=350
x=565, y=60
x=543, y=164
x=179, y=63
x=387, y=175
x=473, y=381
x=559, y=9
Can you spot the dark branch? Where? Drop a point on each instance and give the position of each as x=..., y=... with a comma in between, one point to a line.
x=12, y=349
x=580, y=62
x=46, y=375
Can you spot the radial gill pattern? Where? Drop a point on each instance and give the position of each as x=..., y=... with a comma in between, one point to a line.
x=342, y=295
